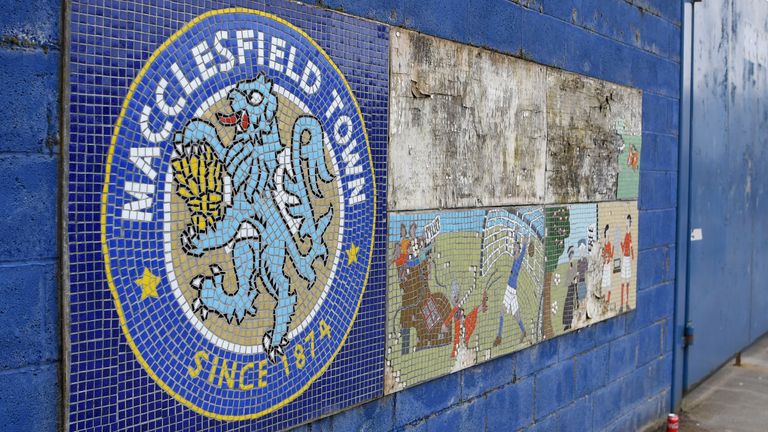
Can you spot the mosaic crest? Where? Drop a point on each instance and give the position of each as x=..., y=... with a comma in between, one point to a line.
x=239, y=187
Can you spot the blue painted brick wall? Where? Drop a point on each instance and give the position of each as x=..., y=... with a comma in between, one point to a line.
x=613, y=376
x=30, y=58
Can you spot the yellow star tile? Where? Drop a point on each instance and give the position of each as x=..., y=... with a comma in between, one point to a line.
x=148, y=284
x=352, y=254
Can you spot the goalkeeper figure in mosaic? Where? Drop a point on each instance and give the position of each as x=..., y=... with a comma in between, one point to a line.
x=511, y=304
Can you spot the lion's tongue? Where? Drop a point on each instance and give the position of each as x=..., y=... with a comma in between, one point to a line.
x=227, y=119
x=241, y=119
x=244, y=120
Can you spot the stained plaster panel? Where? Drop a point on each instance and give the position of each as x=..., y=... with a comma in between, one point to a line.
x=590, y=125
x=467, y=126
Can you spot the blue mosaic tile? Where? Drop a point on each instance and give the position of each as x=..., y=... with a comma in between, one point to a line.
x=227, y=260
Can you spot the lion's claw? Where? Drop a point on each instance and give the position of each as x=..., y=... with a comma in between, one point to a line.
x=188, y=243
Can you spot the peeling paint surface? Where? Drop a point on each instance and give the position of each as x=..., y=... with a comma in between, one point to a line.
x=728, y=182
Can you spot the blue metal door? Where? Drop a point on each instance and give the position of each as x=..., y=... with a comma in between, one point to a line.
x=727, y=259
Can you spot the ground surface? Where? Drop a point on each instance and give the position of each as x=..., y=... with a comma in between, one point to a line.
x=734, y=399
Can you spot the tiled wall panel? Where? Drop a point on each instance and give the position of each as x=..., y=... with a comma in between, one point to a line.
x=472, y=132
x=225, y=220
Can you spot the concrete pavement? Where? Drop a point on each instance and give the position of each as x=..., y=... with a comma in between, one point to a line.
x=734, y=399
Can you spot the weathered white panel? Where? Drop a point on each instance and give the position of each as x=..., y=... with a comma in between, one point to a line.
x=589, y=123
x=467, y=126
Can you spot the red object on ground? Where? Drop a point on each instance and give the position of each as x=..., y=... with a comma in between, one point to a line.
x=673, y=423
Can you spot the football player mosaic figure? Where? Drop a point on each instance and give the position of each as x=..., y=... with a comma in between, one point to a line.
x=633, y=158
x=607, y=256
x=627, y=256
x=464, y=324
x=270, y=206
x=582, y=267
x=510, y=303
x=571, y=297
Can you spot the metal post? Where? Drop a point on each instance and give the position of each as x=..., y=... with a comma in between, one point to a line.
x=683, y=205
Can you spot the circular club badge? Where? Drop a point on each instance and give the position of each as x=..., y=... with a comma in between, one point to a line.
x=238, y=213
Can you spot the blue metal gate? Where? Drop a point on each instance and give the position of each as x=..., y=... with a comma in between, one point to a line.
x=727, y=272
